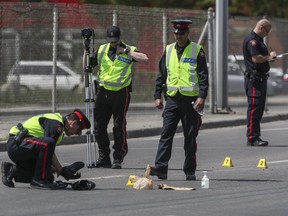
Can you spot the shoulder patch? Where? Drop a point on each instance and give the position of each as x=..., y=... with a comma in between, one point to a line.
x=59, y=129
x=253, y=42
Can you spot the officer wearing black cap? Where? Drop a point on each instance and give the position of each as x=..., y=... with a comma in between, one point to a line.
x=183, y=79
x=31, y=146
x=114, y=84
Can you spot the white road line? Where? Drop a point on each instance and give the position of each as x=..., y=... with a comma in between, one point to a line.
x=275, y=129
x=277, y=162
x=155, y=137
x=107, y=177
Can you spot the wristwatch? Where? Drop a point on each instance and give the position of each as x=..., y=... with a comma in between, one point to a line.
x=127, y=50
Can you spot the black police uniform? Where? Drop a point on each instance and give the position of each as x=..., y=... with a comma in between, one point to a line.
x=179, y=107
x=31, y=147
x=108, y=103
x=33, y=156
x=255, y=85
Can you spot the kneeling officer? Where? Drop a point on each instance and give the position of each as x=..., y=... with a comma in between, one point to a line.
x=31, y=146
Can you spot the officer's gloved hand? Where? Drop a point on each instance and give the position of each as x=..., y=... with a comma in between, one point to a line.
x=70, y=172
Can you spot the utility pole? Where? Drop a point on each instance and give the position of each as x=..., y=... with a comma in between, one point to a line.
x=221, y=54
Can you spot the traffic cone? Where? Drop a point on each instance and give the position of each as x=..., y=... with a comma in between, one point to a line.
x=262, y=164
x=227, y=162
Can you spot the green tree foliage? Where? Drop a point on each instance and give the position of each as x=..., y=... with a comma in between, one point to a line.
x=271, y=8
x=275, y=8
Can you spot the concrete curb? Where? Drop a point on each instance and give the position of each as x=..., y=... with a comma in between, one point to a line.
x=157, y=130
x=31, y=111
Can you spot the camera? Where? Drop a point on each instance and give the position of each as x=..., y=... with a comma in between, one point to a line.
x=87, y=32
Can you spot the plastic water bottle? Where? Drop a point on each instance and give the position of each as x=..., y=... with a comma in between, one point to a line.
x=201, y=113
x=205, y=181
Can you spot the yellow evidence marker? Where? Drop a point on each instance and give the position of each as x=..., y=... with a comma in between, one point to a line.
x=262, y=164
x=227, y=162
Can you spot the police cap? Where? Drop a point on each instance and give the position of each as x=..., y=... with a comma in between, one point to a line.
x=180, y=26
x=82, y=118
x=113, y=34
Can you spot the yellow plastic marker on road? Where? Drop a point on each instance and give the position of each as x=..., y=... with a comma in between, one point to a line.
x=262, y=164
x=227, y=162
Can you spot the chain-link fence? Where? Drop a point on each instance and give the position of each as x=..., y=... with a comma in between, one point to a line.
x=36, y=35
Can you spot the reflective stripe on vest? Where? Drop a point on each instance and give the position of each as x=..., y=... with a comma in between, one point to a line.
x=114, y=75
x=182, y=75
x=99, y=60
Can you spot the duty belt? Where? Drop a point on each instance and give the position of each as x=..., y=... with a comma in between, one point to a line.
x=255, y=75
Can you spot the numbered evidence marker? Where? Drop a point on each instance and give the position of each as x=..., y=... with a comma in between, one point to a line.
x=227, y=162
x=262, y=164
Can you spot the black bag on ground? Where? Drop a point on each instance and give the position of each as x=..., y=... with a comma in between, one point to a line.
x=83, y=185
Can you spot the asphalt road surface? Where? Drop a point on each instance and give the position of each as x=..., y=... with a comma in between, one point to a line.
x=240, y=190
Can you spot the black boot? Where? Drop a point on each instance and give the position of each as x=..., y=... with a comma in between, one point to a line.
x=8, y=171
x=161, y=174
x=48, y=185
x=258, y=142
x=103, y=163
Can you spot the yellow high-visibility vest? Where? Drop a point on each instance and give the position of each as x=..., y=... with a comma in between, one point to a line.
x=34, y=127
x=114, y=75
x=182, y=75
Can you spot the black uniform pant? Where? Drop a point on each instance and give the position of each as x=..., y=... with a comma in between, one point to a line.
x=179, y=108
x=32, y=158
x=256, y=97
x=110, y=103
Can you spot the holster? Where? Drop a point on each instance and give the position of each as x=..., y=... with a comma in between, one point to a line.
x=253, y=75
x=19, y=137
x=96, y=85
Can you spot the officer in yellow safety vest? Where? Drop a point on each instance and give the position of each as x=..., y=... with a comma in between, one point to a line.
x=183, y=78
x=114, y=84
x=31, y=146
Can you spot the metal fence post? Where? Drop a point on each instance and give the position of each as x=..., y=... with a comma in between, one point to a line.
x=266, y=43
x=203, y=33
x=221, y=54
x=211, y=49
x=55, y=41
x=115, y=18
x=164, y=18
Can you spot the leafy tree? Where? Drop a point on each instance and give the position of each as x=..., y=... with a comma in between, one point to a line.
x=275, y=8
